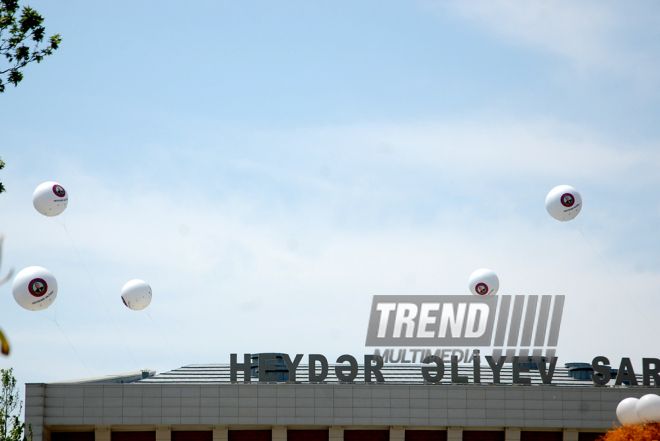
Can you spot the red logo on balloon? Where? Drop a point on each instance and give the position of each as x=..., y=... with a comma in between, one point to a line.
x=122, y=299
x=37, y=287
x=567, y=200
x=481, y=288
x=59, y=190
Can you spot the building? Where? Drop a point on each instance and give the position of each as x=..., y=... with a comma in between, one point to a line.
x=200, y=403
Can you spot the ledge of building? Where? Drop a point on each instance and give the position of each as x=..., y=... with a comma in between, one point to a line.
x=126, y=377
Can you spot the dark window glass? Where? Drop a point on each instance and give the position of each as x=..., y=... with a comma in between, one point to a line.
x=133, y=436
x=366, y=435
x=307, y=435
x=72, y=436
x=426, y=435
x=193, y=435
x=250, y=435
x=541, y=436
x=483, y=435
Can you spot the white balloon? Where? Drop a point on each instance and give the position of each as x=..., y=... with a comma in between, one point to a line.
x=648, y=409
x=484, y=283
x=136, y=294
x=50, y=199
x=563, y=203
x=34, y=288
x=626, y=412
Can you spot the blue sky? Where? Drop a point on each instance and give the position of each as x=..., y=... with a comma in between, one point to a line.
x=268, y=167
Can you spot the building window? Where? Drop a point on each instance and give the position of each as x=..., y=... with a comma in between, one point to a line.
x=483, y=435
x=133, y=436
x=72, y=436
x=426, y=435
x=192, y=435
x=530, y=435
x=366, y=435
x=250, y=435
x=307, y=435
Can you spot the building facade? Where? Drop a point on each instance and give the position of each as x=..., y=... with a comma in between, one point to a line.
x=201, y=403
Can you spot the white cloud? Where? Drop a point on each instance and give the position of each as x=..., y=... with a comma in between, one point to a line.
x=481, y=150
x=589, y=33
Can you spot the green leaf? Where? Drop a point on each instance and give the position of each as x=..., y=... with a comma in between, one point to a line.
x=19, y=41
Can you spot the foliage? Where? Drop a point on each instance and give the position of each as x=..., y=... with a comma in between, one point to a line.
x=11, y=429
x=2, y=165
x=20, y=38
x=640, y=432
x=4, y=344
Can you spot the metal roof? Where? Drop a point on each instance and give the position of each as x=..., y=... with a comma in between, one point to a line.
x=126, y=377
x=393, y=374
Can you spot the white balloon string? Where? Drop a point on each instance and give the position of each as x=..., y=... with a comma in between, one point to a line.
x=58, y=220
x=68, y=341
x=43, y=314
x=164, y=338
x=632, y=300
x=50, y=313
x=100, y=298
x=577, y=224
x=74, y=349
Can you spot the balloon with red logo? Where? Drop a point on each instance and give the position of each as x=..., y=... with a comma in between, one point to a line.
x=50, y=199
x=563, y=203
x=34, y=288
x=484, y=283
x=136, y=294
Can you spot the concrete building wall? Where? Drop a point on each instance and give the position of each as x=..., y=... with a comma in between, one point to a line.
x=52, y=407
